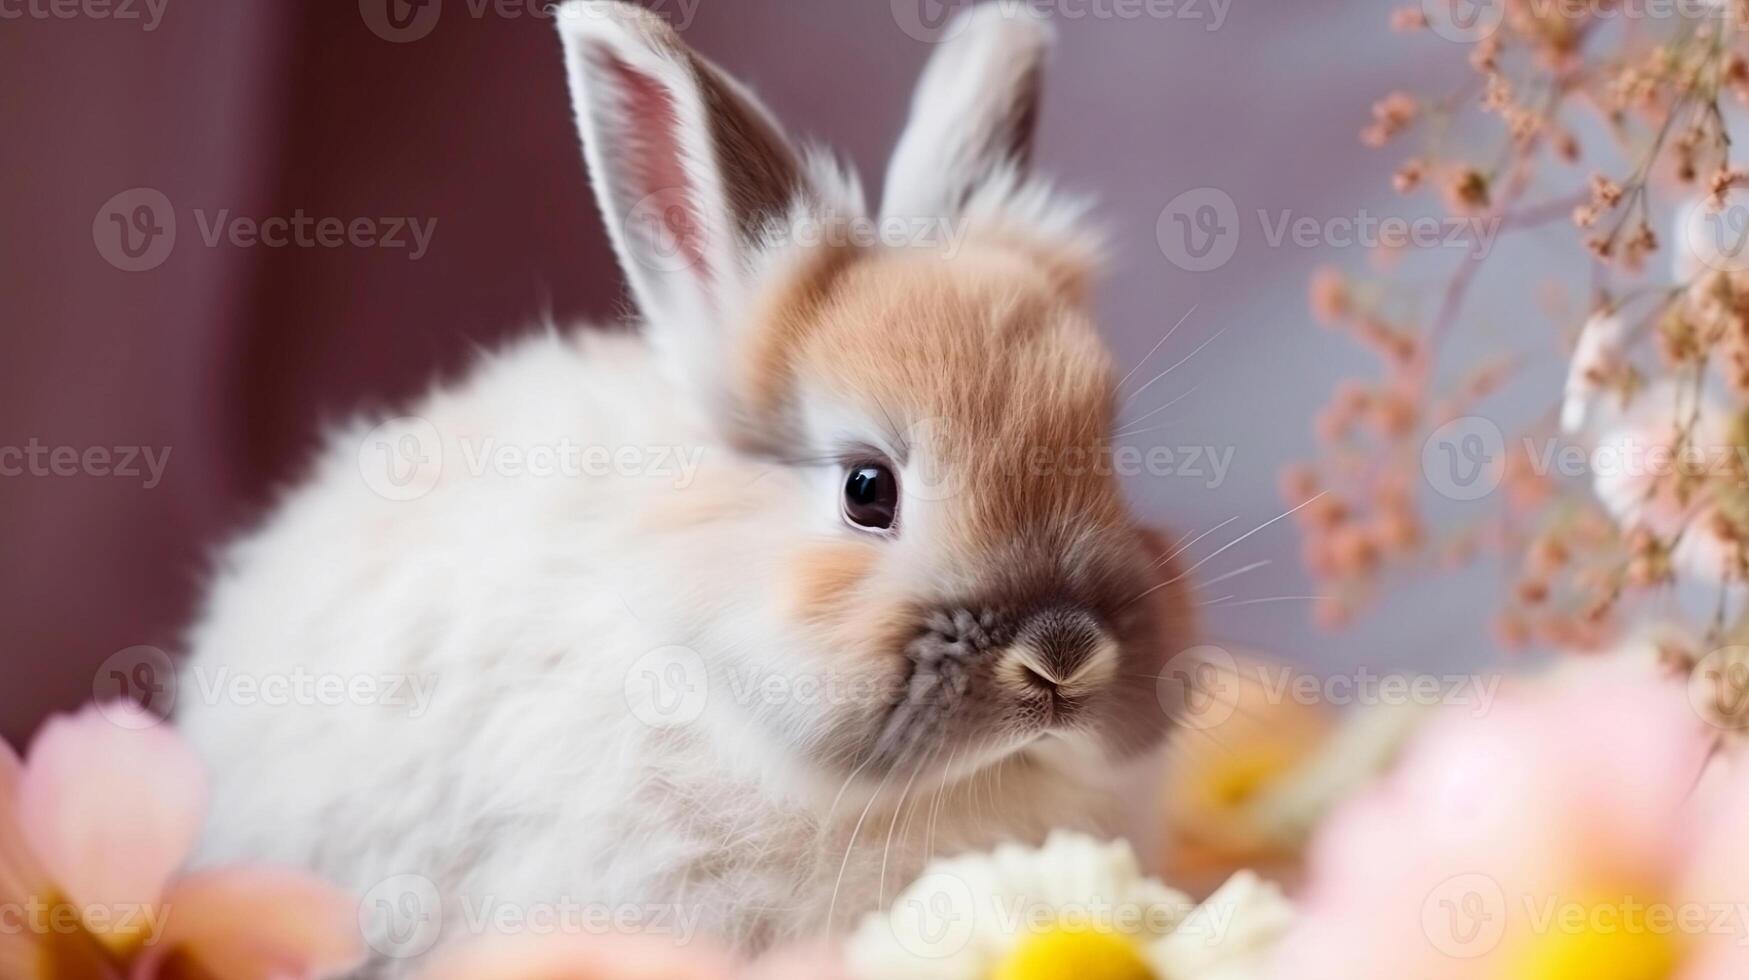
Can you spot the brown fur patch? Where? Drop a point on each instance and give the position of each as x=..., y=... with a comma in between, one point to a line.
x=982, y=352
x=780, y=326
x=824, y=578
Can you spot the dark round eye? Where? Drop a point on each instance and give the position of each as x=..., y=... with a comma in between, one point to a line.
x=871, y=496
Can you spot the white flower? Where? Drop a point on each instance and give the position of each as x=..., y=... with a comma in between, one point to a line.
x=1658, y=466
x=1232, y=935
x=1075, y=907
x=1643, y=449
x=1597, y=351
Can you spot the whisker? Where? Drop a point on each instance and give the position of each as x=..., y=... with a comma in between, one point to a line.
x=1126, y=431
x=1279, y=517
x=1175, y=367
x=892, y=825
x=1156, y=349
x=850, y=847
x=1192, y=543
x=1235, y=573
x=935, y=807
x=1169, y=423
x=1252, y=602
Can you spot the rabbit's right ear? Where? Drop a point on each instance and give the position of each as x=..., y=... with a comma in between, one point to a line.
x=973, y=114
x=689, y=170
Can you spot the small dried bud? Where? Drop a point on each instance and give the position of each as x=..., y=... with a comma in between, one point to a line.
x=1408, y=176
x=1391, y=115
x=1533, y=592
x=1467, y=191
x=1299, y=483
x=1511, y=631
x=1330, y=298
x=1605, y=193
x=1485, y=56
x=1565, y=144
x=1406, y=19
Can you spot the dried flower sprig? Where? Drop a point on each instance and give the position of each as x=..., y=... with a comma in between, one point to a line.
x=1660, y=368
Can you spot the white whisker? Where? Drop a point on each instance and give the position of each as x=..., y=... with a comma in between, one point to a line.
x=1127, y=431
x=1192, y=543
x=1235, y=573
x=849, y=848
x=1174, y=367
x=1282, y=516
x=1161, y=343
x=1252, y=602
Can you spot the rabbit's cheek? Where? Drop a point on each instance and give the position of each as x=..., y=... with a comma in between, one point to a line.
x=826, y=578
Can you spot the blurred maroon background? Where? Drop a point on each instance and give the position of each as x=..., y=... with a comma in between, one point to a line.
x=233, y=357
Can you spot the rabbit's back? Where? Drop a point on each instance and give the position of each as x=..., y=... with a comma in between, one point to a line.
x=395, y=659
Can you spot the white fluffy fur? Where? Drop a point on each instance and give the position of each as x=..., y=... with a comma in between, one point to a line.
x=528, y=781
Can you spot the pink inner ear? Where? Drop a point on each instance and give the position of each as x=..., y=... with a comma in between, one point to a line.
x=658, y=185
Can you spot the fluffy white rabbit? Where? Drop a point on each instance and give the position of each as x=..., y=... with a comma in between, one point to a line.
x=724, y=626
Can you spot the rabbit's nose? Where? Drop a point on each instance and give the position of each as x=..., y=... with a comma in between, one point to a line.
x=1062, y=650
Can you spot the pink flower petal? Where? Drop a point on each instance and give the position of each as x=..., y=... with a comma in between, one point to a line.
x=20, y=879
x=1723, y=960
x=579, y=958
x=34, y=941
x=1433, y=873
x=257, y=924
x=21, y=876
x=111, y=811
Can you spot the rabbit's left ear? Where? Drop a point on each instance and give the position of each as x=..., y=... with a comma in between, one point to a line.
x=973, y=114
x=689, y=169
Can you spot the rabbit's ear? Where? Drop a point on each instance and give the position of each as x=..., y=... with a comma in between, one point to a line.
x=689, y=169
x=973, y=114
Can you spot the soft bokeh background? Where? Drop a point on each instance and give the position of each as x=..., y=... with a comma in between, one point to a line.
x=233, y=359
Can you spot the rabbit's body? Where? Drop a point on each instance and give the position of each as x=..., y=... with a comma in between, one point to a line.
x=726, y=626
x=497, y=620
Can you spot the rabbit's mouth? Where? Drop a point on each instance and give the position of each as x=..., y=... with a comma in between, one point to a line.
x=940, y=663
x=993, y=682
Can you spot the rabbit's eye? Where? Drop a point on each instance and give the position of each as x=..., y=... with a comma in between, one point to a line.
x=871, y=496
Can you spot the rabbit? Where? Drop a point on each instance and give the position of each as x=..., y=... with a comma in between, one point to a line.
x=721, y=627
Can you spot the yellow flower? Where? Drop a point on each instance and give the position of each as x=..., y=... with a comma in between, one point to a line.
x=1246, y=788
x=1085, y=954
